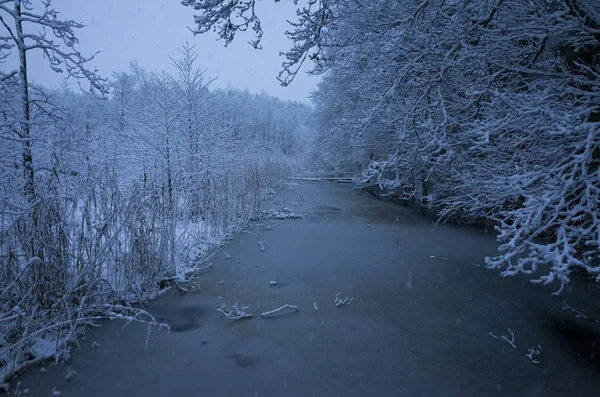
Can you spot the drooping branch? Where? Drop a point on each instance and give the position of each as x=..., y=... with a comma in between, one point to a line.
x=307, y=34
x=227, y=17
x=56, y=38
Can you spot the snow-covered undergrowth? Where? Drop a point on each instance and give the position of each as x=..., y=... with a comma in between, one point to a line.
x=94, y=256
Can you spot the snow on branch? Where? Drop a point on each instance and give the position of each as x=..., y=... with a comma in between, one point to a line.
x=226, y=18
x=280, y=213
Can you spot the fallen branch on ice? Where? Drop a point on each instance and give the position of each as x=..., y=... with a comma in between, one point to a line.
x=286, y=306
x=534, y=351
x=504, y=337
x=326, y=179
x=341, y=302
x=185, y=289
x=578, y=313
x=258, y=239
x=235, y=313
x=209, y=266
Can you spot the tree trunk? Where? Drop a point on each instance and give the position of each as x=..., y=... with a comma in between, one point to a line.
x=27, y=157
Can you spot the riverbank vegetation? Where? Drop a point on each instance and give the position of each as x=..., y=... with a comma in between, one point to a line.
x=107, y=192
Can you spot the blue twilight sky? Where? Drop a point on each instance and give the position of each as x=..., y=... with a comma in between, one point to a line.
x=152, y=30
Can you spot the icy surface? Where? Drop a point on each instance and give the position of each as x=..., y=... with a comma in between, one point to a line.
x=420, y=327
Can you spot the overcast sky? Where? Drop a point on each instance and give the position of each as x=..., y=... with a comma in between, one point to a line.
x=152, y=30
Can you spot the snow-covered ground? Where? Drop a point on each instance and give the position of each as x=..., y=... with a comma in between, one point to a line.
x=421, y=316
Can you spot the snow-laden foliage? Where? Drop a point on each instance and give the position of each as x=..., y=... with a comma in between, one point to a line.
x=484, y=110
x=105, y=198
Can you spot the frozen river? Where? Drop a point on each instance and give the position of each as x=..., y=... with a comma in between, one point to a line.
x=422, y=324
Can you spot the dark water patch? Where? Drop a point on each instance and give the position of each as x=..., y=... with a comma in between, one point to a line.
x=183, y=327
x=323, y=214
x=178, y=325
x=183, y=319
x=383, y=214
x=244, y=360
x=328, y=208
x=325, y=211
x=581, y=335
x=192, y=312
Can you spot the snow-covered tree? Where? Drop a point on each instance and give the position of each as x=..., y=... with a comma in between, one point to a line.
x=27, y=28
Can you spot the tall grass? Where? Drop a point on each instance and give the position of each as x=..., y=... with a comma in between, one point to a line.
x=90, y=247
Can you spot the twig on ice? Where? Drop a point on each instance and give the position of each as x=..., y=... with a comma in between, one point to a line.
x=341, y=302
x=164, y=290
x=286, y=306
x=212, y=244
x=258, y=240
x=209, y=266
x=70, y=374
x=534, y=351
x=182, y=290
x=235, y=313
x=512, y=338
x=578, y=313
x=510, y=342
